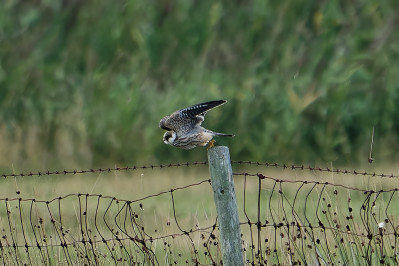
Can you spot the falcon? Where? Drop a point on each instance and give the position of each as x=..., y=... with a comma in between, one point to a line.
x=184, y=128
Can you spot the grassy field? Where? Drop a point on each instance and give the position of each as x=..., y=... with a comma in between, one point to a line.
x=289, y=214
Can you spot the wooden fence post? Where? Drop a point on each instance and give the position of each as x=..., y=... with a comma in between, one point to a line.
x=226, y=205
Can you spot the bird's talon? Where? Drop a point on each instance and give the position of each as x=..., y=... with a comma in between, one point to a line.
x=211, y=144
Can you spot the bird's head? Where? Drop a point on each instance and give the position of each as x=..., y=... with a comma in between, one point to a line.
x=169, y=137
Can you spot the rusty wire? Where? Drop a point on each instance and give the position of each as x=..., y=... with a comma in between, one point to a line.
x=315, y=169
x=100, y=170
x=188, y=164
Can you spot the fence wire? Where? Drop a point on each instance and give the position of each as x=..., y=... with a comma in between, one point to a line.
x=283, y=222
x=99, y=230
x=188, y=164
x=298, y=222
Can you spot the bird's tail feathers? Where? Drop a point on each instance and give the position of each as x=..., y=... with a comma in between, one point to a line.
x=223, y=134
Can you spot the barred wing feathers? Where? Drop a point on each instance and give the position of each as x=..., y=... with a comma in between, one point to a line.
x=184, y=119
x=200, y=109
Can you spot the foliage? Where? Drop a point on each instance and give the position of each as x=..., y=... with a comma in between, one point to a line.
x=86, y=82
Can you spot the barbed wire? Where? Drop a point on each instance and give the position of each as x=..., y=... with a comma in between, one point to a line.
x=283, y=221
x=101, y=170
x=196, y=163
x=315, y=169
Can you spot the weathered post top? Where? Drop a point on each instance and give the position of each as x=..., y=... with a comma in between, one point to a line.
x=226, y=205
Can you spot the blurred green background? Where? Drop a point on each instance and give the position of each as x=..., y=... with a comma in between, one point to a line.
x=85, y=83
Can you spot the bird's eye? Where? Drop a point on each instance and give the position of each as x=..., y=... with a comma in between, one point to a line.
x=164, y=127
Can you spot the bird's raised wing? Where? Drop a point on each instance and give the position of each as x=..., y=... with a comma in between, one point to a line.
x=200, y=109
x=188, y=117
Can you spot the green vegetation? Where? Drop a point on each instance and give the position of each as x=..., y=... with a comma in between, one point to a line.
x=85, y=82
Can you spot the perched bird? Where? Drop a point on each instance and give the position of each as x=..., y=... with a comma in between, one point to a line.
x=184, y=126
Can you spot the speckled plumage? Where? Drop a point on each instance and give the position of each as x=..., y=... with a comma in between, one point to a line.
x=184, y=126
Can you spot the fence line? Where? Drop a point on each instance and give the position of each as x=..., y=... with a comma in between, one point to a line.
x=318, y=223
x=316, y=169
x=40, y=228
x=283, y=221
x=188, y=164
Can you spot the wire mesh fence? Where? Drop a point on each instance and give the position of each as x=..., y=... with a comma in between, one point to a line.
x=309, y=222
x=283, y=220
